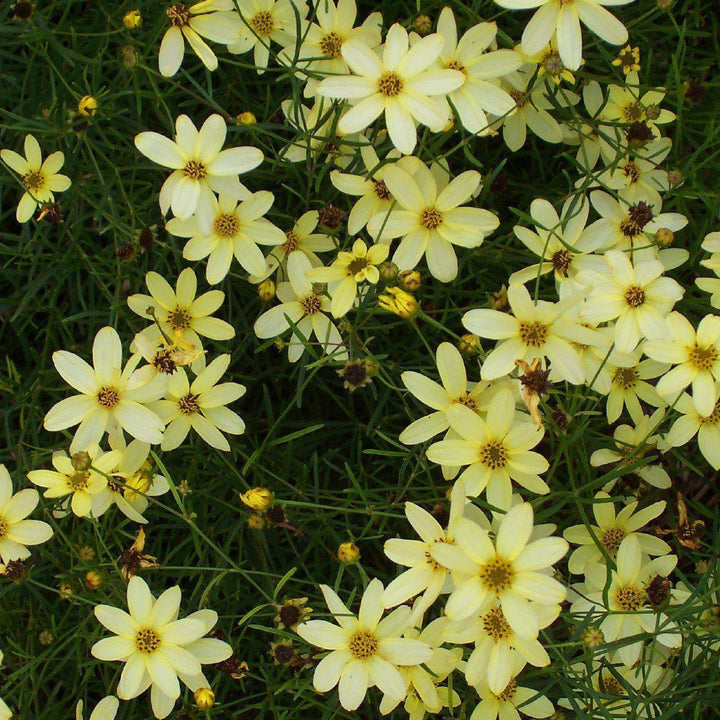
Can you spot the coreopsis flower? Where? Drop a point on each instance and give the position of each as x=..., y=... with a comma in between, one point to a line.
x=509, y=569
x=497, y=646
x=82, y=485
x=201, y=405
x=200, y=166
x=157, y=648
x=111, y=396
x=628, y=104
x=629, y=384
x=106, y=709
x=512, y=701
x=400, y=302
x=562, y=19
x=320, y=53
x=610, y=530
x=711, y=244
x=550, y=66
x=181, y=313
x=496, y=450
x=400, y=84
x=16, y=532
x=628, y=59
x=695, y=356
x=627, y=612
x=479, y=94
x=266, y=21
x=692, y=423
x=633, y=444
x=162, y=356
x=349, y=270
x=211, y=19
x=40, y=179
x=541, y=329
x=560, y=242
x=366, y=650
x=430, y=221
x=237, y=228
x=375, y=196
x=637, y=295
x=303, y=310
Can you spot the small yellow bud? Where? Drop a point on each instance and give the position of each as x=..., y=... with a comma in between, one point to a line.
x=256, y=521
x=88, y=106
x=469, y=345
x=388, y=272
x=132, y=19
x=500, y=299
x=266, y=290
x=400, y=302
x=65, y=590
x=410, y=280
x=259, y=499
x=247, y=118
x=665, y=4
x=664, y=237
x=81, y=461
x=593, y=637
x=86, y=553
x=93, y=580
x=675, y=177
x=423, y=24
x=204, y=697
x=348, y=553
x=129, y=56
x=46, y=638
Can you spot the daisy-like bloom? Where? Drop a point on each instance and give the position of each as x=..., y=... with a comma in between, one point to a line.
x=181, y=313
x=399, y=84
x=628, y=104
x=611, y=529
x=629, y=384
x=432, y=218
x=628, y=59
x=156, y=647
x=366, y=650
x=695, y=355
x=321, y=51
x=560, y=243
x=301, y=238
x=635, y=443
x=562, y=18
x=711, y=244
x=266, y=21
x=237, y=228
x=39, y=179
x=347, y=271
x=16, y=533
x=106, y=709
x=110, y=396
x=424, y=692
x=200, y=166
x=496, y=451
x=200, y=405
x=479, y=94
x=691, y=423
x=375, y=196
x=211, y=19
x=498, y=647
x=628, y=611
x=541, y=330
x=162, y=356
x=637, y=296
x=303, y=310
x=512, y=701
x=82, y=485
x=550, y=66
x=531, y=112
x=509, y=569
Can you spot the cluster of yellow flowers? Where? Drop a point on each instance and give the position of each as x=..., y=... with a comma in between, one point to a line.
x=612, y=330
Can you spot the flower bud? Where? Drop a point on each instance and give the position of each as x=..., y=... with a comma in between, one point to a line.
x=348, y=553
x=204, y=697
x=593, y=637
x=65, y=590
x=400, y=302
x=246, y=118
x=266, y=290
x=132, y=19
x=469, y=345
x=258, y=499
x=664, y=237
x=46, y=638
x=409, y=280
x=88, y=106
x=81, y=461
x=93, y=580
x=256, y=521
x=388, y=272
x=423, y=24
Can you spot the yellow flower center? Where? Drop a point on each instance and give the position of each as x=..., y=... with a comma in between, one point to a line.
x=456, y=65
x=629, y=598
x=497, y=575
x=262, y=23
x=561, y=262
x=195, y=170
x=511, y=688
x=553, y=65
x=33, y=180
x=390, y=84
x=521, y=99
x=611, y=539
x=108, y=397
x=467, y=401
x=178, y=15
x=533, y=334
x=381, y=190
x=78, y=481
x=494, y=454
x=430, y=218
x=634, y=296
x=188, y=405
x=311, y=305
x=292, y=241
x=633, y=112
x=179, y=319
x=226, y=225
x=611, y=686
x=714, y=417
x=4, y=527
x=357, y=265
x=702, y=358
x=363, y=645
x=147, y=640
x=331, y=45
x=631, y=172
x=626, y=378
x=495, y=625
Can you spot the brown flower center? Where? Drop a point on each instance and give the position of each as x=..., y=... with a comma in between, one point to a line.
x=430, y=218
x=179, y=319
x=381, y=190
x=634, y=296
x=178, y=15
x=494, y=455
x=33, y=180
x=714, y=417
x=147, y=640
x=533, y=334
x=521, y=99
x=262, y=23
x=509, y=692
x=292, y=241
x=311, y=304
x=363, y=645
x=108, y=397
x=195, y=170
x=78, y=481
x=631, y=171
x=226, y=225
x=702, y=358
x=561, y=262
x=630, y=598
x=467, y=401
x=633, y=112
x=456, y=65
x=626, y=378
x=497, y=575
x=390, y=84
x=357, y=265
x=164, y=362
x=4, y=527
x=495, y=625
x=611, y=539
x=188, y=405
x=331, y=45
